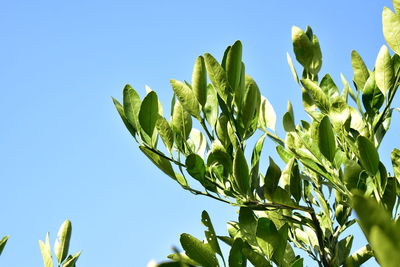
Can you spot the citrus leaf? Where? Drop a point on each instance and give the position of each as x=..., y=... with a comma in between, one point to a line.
x=384, y=74
x=186, y=97
x=61, y=245
x=199, y=80
x=198, y=251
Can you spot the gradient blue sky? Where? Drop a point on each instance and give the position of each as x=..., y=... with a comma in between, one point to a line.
x=64, y=153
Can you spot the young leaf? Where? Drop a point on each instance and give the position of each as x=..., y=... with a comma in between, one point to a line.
x=292, y=69
x=195, y=167
x=391, y=26
x=384, y=74
x=217, y=76
x=148, y=115
x=328, y=86
x=165, y=132
x=320, y=99
x=267, y=116
x=241, y=171
x=211, y=107
x=186, y=97
x=271, y=178
x=326, y=139
x=131, y=101
x=288, y=119
x=3, y=242
x=61, y=245
x=250, y=108
x=121, y=113
x=198, y=251
x=46, y=252
x=360, y=70
x=181, y=121
x=234, y=65
x=210, y=233
x=372, y=97
x=369, y=156
x=71, y=260
x=395, y=157
x=199, y=80
x=302, y=46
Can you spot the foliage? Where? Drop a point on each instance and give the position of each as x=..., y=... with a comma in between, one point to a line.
x=332, y=164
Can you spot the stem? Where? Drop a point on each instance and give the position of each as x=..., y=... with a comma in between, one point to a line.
x=203, y=124
x=164, y=156
x=197, y=192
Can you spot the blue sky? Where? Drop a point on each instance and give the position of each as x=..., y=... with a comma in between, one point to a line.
x=64, y=153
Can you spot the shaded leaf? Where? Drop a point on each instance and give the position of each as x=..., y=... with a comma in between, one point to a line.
x=236, y=257
x=368, y=154
x=195, y=167
x=210, y=233
x=241, y=171
x=326, y=139
x=198, y=251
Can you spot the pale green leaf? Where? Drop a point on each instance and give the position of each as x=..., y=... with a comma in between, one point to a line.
x=181, y=121
x=131, y=101
x=71, y=260
x=210, y=233
x=46, y=252
x=61, y=245
x=318, y=96
x=391, y=29
x=217, y=76
x=3, y=242
x=292, y=69
x=211, y=107
x=384, y=73
x=186, y=97
x=199, y=80
x=360, y=70
x=267, y=116
x=165, y=132
x=268, y=237
x=234, y=65
x=160, y=161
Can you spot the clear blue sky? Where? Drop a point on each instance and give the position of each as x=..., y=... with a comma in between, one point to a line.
x=64, y=153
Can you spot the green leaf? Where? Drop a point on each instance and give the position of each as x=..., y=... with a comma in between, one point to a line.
x=372, y=97
x=360, y=70
x=131, y=101
x=198, y=251
x=267, y=116
x=217, y=76
x=288, y=119
x=395, y=157
x=268, y=237
x=186, y=98
x=195, y=167
x=298, y=263
x=236, y=257
x=250, y=109
x=71, y=260
x=318, y=96
x=181, y=121
x=344, y=248
x=121, y=113
x=182, y=258
x=61, y=245
x=368, y=155
x=199, y=80
x=148, y=116
x=271, y=178
x=351, y=174
x=302, y=46
x=234, y=65
x=161, y=162
x=248, y=225
x=241, y=171
x=210, y=233
x=328, y=86
x=385, y=248
x=222, y=130
x=391, y=29
x=292, y=69
x=3, y=242
x=384, y=73
x=389, y=196
x=255, y=258
x=165, y=132
x=211, y=107
x=326, y=139
x=220, y=160
x=46, y=252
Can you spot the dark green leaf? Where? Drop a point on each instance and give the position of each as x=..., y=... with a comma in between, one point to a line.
x=148, y=116
x=268, y=237
x=131, y=101
x=326, y=139
x=236, y=258
x=271, y=178
x=161, y=162
x=3, y=242
x=241, y=171
x=255, y=258
x=121, y=113
x=195, y=167
x=351, y=174
x=368, y=156
x=234, y=65
x=372, y=97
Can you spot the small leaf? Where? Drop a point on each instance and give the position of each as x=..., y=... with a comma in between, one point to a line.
x=121, y=113
x=211, y=107
x=186, y=97
x=46, y=252
x=71, y=260
x=391, y=29
x=267, y=116
x=360, y=70
x=131, y=101
x=326, y=139
x=198, y=251
x=292, y=69
x=148, y=116
x=384, y=74
x=250, y=109
x=234, y=65
x=3, y=242
x=302, y=46
x=318, y=96
x=369, y=156
x=288, y=119
x=181, y=121
x=61, y=245
x=195, y=167
x=199, y=80
x=372, y=96
x=217, y=76
x=241, y=171
x=267, y=237
x=165, y=132
x=271, y=178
